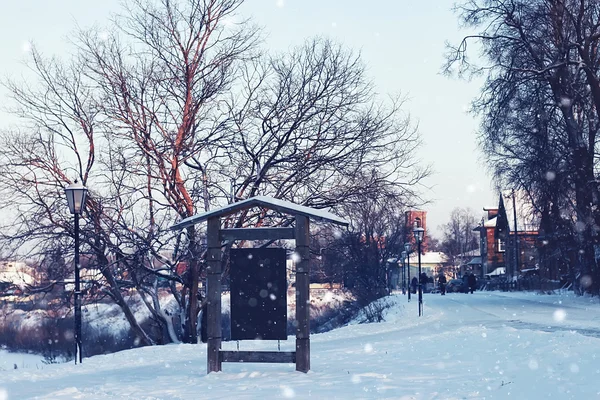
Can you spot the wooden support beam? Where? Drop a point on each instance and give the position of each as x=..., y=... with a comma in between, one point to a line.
x=258, y=356
x=256, y=233
x=213, y=295
x=302, y=294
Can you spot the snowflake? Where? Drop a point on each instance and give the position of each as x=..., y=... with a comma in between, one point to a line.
x=565, y=102
x=287, y=392
x=559, y=315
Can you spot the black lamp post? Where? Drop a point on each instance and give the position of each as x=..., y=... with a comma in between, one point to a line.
x=418, y=232
x=403, y=272
x=407, y=250
x=76, y=195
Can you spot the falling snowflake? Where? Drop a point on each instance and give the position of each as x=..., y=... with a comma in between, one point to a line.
x=334, y=25
x=565, y=102
x=574, y=368
x=533, y=364
x=3, y=394
x=295, y=257
x=287, y=392
x=368, y=348
x=559, y=315
x=26, y=47
x=586, y=281
x=550, y=176
x=69, y=335
x=280, y=3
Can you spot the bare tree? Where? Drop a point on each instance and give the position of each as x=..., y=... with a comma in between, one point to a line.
x=541, y=95
x=311, y=130
x=124, y=117
x=158, y=116
x=458, y=235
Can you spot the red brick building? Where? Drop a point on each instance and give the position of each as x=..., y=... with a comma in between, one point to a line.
x=492, y=248
x=414, y=218
x=497, y=238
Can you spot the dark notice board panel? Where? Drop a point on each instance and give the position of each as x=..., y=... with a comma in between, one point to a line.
x=258, y=294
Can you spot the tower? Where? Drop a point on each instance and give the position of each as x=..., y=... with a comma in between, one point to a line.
x=419, y=218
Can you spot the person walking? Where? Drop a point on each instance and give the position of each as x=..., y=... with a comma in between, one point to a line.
x=472, y=280
x=413, y=283
x=423, y=278
x=442, y=282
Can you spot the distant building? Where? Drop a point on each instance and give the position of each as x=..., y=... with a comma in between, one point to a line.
x=518, y=230
x=469, y=261
x=491, y=247
x=16, y=273
x=431, y=263
x=497, y=244
x=414, y=218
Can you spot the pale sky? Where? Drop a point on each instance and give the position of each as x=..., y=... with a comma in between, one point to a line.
x=402, y=43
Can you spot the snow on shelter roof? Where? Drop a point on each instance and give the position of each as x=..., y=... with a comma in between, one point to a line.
x=263, y=201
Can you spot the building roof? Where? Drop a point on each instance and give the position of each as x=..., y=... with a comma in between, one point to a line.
x=262, y=201
x=19, y=278
x=490, y=223
x=471, y=253
x=430, y=257
x=475, y=261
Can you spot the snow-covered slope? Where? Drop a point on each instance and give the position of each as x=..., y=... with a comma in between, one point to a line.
x=481, y=346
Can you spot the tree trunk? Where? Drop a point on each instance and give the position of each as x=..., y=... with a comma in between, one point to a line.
x=116, y=294
x=191, y=317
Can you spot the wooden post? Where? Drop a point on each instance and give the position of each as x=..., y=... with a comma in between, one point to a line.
x=213, y=296
x=302, y=295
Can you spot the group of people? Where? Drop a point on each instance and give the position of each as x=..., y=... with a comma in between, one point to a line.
x=415, y=282
x=469, y=280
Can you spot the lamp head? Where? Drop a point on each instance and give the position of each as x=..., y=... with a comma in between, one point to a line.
x=418, y=233
x=76, y=196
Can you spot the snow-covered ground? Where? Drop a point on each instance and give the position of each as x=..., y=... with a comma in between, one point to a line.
x=481, y=346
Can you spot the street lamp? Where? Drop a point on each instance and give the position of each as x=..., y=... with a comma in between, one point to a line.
x=76, y=195
x=418, y=232
x=403, y=272
x=407, y=250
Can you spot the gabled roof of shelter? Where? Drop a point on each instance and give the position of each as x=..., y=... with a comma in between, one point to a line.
x=282, y=206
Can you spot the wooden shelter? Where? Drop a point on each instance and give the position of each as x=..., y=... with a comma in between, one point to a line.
x=216, y=235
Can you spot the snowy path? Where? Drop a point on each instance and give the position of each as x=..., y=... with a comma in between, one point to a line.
x=480, y=346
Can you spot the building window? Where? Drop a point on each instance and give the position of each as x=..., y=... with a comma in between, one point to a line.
x=501, y=246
